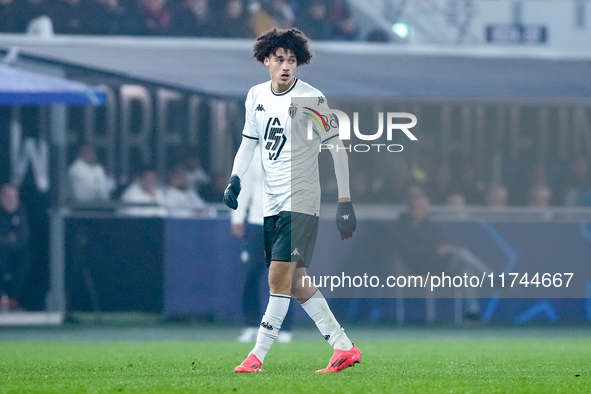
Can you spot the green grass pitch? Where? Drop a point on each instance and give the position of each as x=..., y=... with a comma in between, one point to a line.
x=404, y=366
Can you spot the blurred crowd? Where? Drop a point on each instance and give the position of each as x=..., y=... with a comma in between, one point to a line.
x=179, y=195
x=188, y=189
x=465, y=183
x=319, y=19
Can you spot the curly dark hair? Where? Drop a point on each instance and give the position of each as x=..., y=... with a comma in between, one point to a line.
x=292, y=39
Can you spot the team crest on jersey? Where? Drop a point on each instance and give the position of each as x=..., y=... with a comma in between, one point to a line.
x=292, y=110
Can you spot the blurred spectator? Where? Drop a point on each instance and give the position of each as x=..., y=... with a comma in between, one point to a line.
x=281, y=13
x=440, y=186
x=469, y=183
x=88, y=179
x=414, y=191
x=14, y=247
x=423, y=248
x=576, y=186
x=196, y=175
x=235, y=22
x=27, y=11
x=70, y=17
x=456, y=200
x=535, y=175
x=313, y=20
x=321, y=19
x=497, y=196
x=195, y=18
x=540, y=196
x=397, y=182
x=41, y=27
x=179, y=199
x=8, y=16
x=157, y=17
x=144, y=190
x=112, y=17
x=340, y=17
x=424, y=167
x=457, y=206
x=259, y=18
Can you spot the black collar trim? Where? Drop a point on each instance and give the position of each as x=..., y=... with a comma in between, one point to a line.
x=287, y=91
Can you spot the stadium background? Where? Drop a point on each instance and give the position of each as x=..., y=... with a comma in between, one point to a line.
x=503, y=101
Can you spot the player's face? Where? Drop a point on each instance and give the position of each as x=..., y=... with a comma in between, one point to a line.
x=282, y=65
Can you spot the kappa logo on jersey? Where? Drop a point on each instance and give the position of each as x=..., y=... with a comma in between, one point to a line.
x=320, y=100
x=260, y=108
x=345, y=217
x=295, y=252
x=267, y=326
x=274, y=138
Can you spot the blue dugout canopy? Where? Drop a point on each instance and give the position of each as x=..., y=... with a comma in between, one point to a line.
x=21, y=87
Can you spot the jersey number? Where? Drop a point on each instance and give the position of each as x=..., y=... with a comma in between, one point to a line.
x=274, y=138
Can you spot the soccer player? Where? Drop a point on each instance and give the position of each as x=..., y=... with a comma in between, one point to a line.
x=277, y=114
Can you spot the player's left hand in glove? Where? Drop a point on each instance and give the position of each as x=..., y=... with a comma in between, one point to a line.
x=346, y=220
x=232, y=191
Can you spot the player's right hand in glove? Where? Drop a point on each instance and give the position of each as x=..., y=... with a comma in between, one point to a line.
x=232, y=191
x=346, y=220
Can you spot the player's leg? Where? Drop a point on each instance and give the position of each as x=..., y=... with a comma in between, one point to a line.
x=280, y=274
x=255, y=267
x=304, y=234
x=317, y=308
x=285, y=335
x=280, y=278
x=251, y=300
x=277, y=250
x=346, y=353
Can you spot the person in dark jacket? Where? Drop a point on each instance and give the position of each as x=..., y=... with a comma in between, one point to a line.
x=423, y=248
x=14, y=247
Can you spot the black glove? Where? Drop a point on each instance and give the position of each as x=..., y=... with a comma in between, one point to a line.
x=346, y=221
x=232, y=191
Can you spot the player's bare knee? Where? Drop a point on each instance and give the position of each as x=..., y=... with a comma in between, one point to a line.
x=301, y=290
x=300, y=294
x=280, y=278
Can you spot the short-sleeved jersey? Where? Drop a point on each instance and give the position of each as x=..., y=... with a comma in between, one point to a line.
x=289, y=152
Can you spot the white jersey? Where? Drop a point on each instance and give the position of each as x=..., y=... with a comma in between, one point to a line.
x=289, y=154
